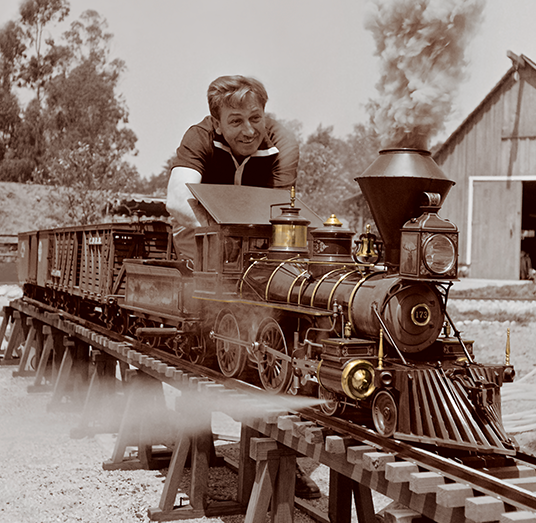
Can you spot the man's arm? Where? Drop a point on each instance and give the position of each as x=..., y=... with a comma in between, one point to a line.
x=178, y=194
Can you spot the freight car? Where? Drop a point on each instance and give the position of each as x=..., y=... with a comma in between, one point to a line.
x=287, y=296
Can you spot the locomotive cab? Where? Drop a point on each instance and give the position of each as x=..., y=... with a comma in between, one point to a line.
x=237, y=229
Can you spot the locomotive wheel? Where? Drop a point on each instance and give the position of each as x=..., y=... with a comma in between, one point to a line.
x=330, y=406
x=138, y=323
x=232, y=358
x=192, y=347
x=275, y=373
x=384, y=414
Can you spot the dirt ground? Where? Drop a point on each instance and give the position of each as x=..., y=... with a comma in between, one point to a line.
x=46, y=476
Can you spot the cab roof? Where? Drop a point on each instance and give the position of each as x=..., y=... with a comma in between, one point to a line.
x=244, y=205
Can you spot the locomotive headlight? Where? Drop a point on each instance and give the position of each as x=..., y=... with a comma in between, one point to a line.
x=439, y=254
x=357, y=379
x=429, y=244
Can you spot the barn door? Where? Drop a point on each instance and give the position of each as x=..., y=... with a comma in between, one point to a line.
x=496, y=223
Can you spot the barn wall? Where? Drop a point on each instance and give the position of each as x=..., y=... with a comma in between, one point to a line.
x=498, y=139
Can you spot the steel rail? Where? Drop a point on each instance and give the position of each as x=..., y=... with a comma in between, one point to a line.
x=479, y=480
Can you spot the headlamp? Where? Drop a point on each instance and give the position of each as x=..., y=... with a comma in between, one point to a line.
x=439, y=254
x=357, y=379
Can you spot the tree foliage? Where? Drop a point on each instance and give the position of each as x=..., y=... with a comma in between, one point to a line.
x=327, y=171
x=73, y=133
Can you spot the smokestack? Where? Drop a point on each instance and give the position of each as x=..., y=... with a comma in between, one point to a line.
x=394, y=185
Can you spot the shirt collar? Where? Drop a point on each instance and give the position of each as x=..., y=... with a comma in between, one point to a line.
x=266, y=148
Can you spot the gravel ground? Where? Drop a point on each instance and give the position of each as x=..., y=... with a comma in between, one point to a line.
x=45, y=476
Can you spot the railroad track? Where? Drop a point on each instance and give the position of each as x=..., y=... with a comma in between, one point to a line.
x=479, y=479
x=498, y=482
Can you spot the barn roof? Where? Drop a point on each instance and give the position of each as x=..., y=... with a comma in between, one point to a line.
x=518, y=62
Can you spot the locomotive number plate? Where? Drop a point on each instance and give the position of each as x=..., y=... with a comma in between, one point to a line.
x=420, y=314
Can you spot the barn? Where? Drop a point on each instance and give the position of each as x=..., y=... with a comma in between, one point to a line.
x=492, y=158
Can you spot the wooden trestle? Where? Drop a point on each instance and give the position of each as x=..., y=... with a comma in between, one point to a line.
x=82, y=369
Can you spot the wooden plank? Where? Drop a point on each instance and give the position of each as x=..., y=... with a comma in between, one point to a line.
x=261, y=493
x=283, y=494
x=483, y=509
x=28, y=346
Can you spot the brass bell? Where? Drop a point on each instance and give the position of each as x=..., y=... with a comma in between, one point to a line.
x=366, y=251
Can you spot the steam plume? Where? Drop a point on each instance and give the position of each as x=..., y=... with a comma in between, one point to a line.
x=421, y=46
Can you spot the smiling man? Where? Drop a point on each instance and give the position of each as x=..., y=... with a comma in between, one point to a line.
x=237, y=144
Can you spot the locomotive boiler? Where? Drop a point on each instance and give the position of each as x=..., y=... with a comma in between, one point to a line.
x=277, y=293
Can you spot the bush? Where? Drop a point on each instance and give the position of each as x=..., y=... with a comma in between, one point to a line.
x=16, y=170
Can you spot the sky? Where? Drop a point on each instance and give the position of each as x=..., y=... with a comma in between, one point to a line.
x=315, y=58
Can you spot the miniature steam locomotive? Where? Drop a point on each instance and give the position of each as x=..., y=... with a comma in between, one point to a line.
x=288, y=297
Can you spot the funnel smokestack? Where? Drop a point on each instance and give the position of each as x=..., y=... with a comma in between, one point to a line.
x=394, y=185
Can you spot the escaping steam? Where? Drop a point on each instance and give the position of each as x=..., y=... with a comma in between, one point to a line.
x=421, y=46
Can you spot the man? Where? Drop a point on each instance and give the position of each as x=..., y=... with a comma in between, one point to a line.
x=237, y=144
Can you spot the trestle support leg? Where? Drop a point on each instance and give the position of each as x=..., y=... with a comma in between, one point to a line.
x=144, y=411
x=19, y=331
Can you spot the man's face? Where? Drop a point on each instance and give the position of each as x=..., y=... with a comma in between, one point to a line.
x=243, y=128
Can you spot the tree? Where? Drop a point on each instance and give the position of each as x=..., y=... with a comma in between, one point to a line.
x=74, y=131
x=36, y=15
x=85, y=185
x=86, y=130
x=11, y=49
x=327, y=171
x=157, y=184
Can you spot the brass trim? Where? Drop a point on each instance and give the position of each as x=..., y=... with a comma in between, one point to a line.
x=271, y=278
x=294, y=283
x=415, y=320
x=345, y=378
x=327, y=275
x=339, y=281
x=245, y=274
x=278, y=306
x=300, y=293
x=352, y=296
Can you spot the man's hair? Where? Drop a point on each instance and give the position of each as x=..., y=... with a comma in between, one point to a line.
x=234, y=91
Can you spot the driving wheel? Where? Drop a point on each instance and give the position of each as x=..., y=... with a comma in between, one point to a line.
x=231, y=356
x=275, y=373
x=191, y=347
